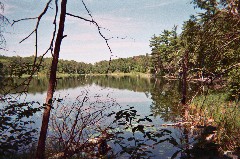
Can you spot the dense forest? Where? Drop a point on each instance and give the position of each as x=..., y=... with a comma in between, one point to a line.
x=18, y=66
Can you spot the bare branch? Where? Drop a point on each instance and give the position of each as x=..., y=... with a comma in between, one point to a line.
x=38, y=21
x=15, y=21
x=36, y=66
x=27, y=36
x=99, y=31
x=91, y=21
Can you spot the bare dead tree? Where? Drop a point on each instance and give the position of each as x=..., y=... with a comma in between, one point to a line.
x=52, y=83
x=37, y=64
x=81, y=126
x=54, y=48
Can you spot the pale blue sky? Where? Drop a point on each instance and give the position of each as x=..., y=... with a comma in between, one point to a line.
x=137, y=20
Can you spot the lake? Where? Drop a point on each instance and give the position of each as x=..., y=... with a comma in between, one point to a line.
x=155, y=101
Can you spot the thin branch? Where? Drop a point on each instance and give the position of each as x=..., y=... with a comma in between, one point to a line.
x=38, y=20
x=85, y=6
x=37, y=66
x=75, y=16
x=16, y=21
x=27, y=36
x=99, y=31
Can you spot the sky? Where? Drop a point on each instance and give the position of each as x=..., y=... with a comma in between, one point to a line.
x=129, y=23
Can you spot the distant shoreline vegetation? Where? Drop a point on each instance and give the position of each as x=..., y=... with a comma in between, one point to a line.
x=120, y=74
x=17, y=66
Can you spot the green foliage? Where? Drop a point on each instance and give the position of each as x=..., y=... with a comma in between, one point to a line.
x=208, y=48
x=211, y=40
x=139, y=63
x=165, y=52
x=215, y=39
x=234, y=85
x=225, y=115
x=18, y=66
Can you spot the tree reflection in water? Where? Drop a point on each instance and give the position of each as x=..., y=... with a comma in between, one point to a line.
x=140, y=136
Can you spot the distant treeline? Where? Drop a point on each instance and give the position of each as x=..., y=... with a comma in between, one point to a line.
x=18, y=66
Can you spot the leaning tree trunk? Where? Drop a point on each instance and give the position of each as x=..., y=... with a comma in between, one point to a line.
x=184, y=100
x=238, y=7
x=52, y=84
x=184, y=85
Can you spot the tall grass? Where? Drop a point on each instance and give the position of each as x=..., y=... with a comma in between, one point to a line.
x=224, y=114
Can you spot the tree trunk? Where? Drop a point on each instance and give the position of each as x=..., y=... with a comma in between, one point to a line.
x=184, y=84
x=160, y=66
x=238, y=8
x=51, y=85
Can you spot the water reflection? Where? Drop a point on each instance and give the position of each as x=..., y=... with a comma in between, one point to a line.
x=165, y=94
x=159, y=97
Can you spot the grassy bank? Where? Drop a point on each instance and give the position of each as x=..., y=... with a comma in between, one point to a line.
x=216, y=110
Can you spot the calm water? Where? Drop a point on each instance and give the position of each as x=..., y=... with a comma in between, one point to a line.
x=147, y=95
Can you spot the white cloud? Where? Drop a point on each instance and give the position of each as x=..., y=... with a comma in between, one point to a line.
x=157, y=5
x=119, y=25
x=83, y=37
x=160, y=3
x=112, y=22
